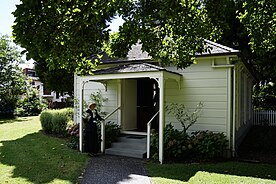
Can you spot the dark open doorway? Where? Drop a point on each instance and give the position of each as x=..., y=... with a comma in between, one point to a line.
x=147, y=102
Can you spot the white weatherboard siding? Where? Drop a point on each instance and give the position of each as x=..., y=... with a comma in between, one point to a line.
x=201, y=83
x=243, y=99
x=91, y=87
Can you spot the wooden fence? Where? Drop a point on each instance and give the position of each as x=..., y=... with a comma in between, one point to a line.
x=264, y=117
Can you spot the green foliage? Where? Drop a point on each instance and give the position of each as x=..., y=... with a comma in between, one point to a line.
x=59, y=122
x=184, y=115
x=170, y=31
x=99, y=99
x=176, y=143
x=56, y=121
x=259, y=20
x=264, y=96
x=112, y=132
x=208, y=144
x=48, y=77
x=61, y=31
x=179, y=145
x=12, y=81
x=30, y=104
x=46, y=121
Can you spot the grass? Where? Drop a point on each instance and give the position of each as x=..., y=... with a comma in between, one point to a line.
x=29, y=156
x=226, y=172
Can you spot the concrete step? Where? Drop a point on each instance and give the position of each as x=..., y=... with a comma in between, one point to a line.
x=130, y=146
x=132, y=139
x=126, y=152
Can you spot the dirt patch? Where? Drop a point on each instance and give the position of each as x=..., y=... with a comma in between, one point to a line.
x=259, y=145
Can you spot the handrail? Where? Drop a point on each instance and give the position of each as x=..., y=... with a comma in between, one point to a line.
x=148, y=133
x=103, y=129
x=107, y=116
x=153, y=118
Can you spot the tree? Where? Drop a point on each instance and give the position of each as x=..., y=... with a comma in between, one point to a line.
x=30, y=103
x=12, y=81
x=65, y=33
x=170, y=31
x=59, y=80
x=264, y=96
x=259, y=20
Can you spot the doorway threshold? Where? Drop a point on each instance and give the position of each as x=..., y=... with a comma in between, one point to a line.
x=133, y=132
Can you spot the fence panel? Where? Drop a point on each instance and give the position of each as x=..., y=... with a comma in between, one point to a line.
x=264, y=117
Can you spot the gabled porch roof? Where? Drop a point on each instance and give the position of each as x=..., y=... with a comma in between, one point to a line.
x=132, y=70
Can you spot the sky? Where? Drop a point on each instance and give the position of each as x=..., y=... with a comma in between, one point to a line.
x=7, y=19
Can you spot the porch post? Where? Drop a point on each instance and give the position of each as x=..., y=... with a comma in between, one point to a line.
x=161, y=116
x=80, y=115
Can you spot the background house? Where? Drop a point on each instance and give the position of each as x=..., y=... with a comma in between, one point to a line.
x=219, y=79
x=51, y=96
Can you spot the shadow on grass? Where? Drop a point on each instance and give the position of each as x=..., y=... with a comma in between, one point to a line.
x=13, y=120
x=42, y=159
x=184, y=172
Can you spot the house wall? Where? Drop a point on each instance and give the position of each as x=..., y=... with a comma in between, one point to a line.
x=202, y=83
x=92, y=87
x=243, y=102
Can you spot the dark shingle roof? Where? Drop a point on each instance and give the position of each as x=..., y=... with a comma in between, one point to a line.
x=136, y=53
x=130, y=68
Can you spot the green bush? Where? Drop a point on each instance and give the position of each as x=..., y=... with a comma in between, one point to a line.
x=208, y=144
x=30, y=104
x=46, y=121
x=56, y=121
x=179, y=145
x=112, y=132
x=59, y=121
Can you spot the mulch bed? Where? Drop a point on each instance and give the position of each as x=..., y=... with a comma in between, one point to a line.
x=259, y=145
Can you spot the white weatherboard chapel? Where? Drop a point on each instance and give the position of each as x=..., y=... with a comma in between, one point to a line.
x=134, y=85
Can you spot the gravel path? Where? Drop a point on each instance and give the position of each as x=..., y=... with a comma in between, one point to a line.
x=115, y=170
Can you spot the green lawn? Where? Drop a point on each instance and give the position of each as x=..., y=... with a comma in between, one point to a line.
x=226, y=172
x=29, y=156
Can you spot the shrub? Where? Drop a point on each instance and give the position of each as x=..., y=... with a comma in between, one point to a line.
x=56, y=121
x=46, y=121
x=112, y=132
x=179, y=145
x=59, y=122
x=176, y=143
x=208, y=144
x=30, y=104
x=184, y=115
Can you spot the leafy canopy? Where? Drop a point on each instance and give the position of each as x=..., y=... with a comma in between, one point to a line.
x=62, y=32
x=12, y=81
x=65, y=33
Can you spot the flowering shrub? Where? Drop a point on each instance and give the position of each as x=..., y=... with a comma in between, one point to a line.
x=208, y=144
x=179, y=145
